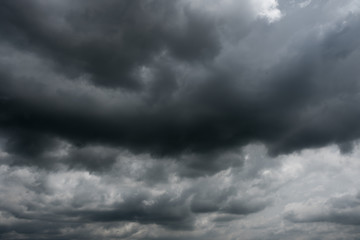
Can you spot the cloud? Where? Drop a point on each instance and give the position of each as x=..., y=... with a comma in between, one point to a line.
x=181, y=119
x=340, y=210
x=145, y=203
x=72, y=199
x=108, y=41
x=213, y=97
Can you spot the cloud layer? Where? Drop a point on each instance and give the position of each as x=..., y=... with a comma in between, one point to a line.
x=94, y=75
x=157, y=119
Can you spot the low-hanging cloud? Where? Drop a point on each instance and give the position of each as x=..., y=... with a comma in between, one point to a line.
x=142, y=114
x=191, y=97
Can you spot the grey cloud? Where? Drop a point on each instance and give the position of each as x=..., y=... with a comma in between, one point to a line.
x=346, y=147
x=184, y=106
x=340, y=210
x=140, y=206
x=73, y=199
x=30, y=144
x=242, y=207
x=171, y=214
x=108, y=41
x=144, y=109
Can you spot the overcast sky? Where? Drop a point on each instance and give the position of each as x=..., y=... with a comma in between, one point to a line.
x=180, y=119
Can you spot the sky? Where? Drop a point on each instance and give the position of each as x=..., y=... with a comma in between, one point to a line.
x=181, y=119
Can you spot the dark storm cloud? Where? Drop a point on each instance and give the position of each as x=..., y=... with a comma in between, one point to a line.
x=30, y=144
x=195, y=165
x=107, y=40
x=186, y=101
x=117, y=117
x=164, y=211
x=53, y=154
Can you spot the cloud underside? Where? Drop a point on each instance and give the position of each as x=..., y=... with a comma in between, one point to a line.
x=176, y=116
x=167, y=77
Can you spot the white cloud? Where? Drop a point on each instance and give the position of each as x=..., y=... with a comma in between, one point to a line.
x=267, y=9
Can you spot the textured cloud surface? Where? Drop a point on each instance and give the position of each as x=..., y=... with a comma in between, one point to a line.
x=157, y=119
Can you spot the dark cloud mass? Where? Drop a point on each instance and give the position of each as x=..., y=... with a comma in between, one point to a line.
x=110, y=40
x=166, y=56
x=137, y=119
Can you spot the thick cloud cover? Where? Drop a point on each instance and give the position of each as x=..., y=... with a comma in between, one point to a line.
x=169, y=77
x=156, y=119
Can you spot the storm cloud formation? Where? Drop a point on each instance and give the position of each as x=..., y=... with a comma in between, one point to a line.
x=176, y=73
x=181, y=115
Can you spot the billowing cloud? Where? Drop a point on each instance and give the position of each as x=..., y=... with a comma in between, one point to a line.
x=94, y=72
x=129, y=193
x=157, y=119
x=341, y=210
